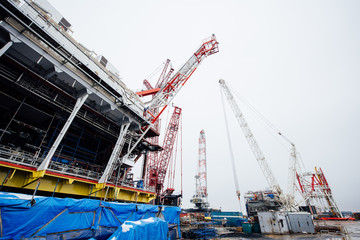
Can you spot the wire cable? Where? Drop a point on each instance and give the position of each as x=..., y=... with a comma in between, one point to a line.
x=237, y=189
x=263, y=119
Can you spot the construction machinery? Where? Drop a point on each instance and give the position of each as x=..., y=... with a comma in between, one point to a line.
x=269, y=176
x=314, y=187
x=200, y=199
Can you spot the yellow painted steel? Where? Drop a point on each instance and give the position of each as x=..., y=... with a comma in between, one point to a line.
x=20, y=178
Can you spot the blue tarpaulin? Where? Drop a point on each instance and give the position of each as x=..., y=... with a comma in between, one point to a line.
x=149, y=228
x=59, y=218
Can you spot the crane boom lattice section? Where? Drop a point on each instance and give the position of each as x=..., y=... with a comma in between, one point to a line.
x=176, y=82
x=159, y=169
x=202, y=188
x=251, y=140
x=168, y=146
x=200, y=198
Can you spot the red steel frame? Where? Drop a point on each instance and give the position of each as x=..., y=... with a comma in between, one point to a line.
x=317, y=187
x=158, y=171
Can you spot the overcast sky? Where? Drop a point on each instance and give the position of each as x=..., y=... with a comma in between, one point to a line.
x=296, y=62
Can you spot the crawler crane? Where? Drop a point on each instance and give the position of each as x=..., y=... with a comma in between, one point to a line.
x=270, y=178
x=313, y=186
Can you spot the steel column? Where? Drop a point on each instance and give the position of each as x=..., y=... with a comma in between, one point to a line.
x=80, y=101
x=115, y=153
x=9, y=44
x=5, y=48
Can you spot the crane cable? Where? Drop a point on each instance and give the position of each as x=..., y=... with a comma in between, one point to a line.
x=231, y=153
x=298, y=164
x=261, y=117
x=151, y=75
x=181, y=158
x=265, y=120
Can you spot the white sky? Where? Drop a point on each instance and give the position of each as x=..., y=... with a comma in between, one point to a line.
x=296, y=62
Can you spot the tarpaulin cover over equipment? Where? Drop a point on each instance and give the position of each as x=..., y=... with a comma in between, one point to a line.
x=149, y=228
x=58, y=218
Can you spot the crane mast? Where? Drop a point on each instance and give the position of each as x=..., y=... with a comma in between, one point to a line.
x=157, y=172
x=202, y=188
x=294, y=167
x=168, y=146
x=252, y=141
x=152, y=157
x=200, y=198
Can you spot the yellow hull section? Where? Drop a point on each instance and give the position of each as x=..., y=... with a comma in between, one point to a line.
x=24, y=177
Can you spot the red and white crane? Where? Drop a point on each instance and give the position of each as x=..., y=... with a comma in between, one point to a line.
x=200, y=198
x=153, y=156
x=168, y=145
x=157, y=170
x=166, y=92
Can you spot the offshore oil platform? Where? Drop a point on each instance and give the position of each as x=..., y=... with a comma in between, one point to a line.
x=69, y=125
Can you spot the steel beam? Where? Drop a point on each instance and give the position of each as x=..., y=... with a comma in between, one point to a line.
x=116, y=152
x=79, y=186
x=8, y=44
x=52, y=72
x=45, y=163
x=5, y=48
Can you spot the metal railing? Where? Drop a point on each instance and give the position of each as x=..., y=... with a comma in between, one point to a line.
x=130, y=183
x=18, y=156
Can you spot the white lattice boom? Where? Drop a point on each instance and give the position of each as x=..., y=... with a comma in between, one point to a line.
x=251, y=140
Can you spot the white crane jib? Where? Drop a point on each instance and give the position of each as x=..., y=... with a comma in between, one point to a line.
x=252, y=142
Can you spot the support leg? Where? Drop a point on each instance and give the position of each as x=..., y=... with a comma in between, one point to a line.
x=45, y=163
x=115, y=153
